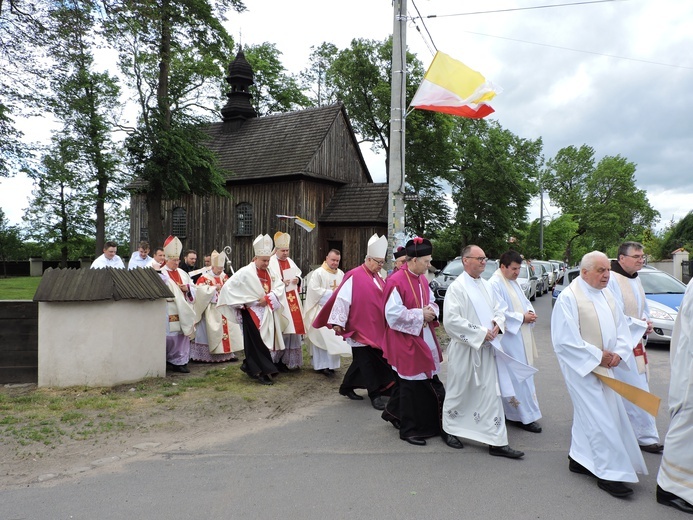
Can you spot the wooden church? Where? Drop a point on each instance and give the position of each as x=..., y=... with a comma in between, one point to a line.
x=305, y=163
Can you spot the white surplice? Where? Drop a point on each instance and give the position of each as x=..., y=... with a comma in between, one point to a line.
x=101, y=261
x=523, y=406
x=325, y=346
x=137, y=261
x=473, y=408
x=602, y=437
x=643, y=423
x=676, y=470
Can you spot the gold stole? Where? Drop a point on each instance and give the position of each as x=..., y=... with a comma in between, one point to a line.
x=632, y=309
x=525, y=328
x=592, y=333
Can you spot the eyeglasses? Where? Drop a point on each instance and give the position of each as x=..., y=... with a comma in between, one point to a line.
x=636, y=257
x=379, y=262
x=479, y=258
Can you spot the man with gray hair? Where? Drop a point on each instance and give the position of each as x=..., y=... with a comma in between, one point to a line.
x=630, y=295
x=590, y=337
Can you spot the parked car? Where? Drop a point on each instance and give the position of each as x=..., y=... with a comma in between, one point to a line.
x=549, y=268
x=528, y=281
x=542, y=275
x=663, y=292
x=439, y=285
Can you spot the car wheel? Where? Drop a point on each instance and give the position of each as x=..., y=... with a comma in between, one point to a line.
x=533, y=297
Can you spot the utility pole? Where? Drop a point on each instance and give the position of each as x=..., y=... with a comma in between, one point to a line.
x=395, y=218
x=541, y=221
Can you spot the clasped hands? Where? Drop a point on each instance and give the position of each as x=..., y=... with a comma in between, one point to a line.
x=610, y=359
x=429, y=314
x=492, y=333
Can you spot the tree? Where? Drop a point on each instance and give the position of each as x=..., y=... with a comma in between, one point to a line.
x=10, y=242
x=274, y=90
x=84, y=100
x=314, y=78
x=603, y=199
x=493, y=178
x=59, y=213
x=680, y=235
x=172, y=53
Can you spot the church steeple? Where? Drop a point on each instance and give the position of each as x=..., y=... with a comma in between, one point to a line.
x=238, y=107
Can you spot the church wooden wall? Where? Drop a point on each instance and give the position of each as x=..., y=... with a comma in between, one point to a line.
x=211, y=221
x=338, y=156
x=354, y=242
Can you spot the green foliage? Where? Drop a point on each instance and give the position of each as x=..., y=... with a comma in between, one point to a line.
x=314, y=77
x=603, y=199
x=11, y=247
x=493, y=178
x=274, y=89
x=680, y=235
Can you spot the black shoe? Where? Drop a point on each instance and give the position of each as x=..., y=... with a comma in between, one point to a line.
x=530, y=427
x=653, y=448
x=350, y=394
x=378, y=403
x=326, y=372
x=669, y=499
x=391, y=419
x=244, y=368
x=233, y=360
x=330, y=370
x=614, y=488
x=452, y=441
x=505, y=451
x=183, y=369
x=576, y=467
x=265, y=380
x=282, y=367
x=416, y=441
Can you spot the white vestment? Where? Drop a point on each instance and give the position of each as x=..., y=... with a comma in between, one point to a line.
x=643, y=423
x=676, y=470
x=116, y=262
x=325, y=346
x=137, y=261
x=602, y=437
x=221, y=336
x=473, y=408
x=523, y=406
x=244, y=289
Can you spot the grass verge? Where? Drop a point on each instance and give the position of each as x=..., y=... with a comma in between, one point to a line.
x=19, y=288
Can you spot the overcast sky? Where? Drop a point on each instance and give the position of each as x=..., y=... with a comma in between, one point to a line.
x=615, y=75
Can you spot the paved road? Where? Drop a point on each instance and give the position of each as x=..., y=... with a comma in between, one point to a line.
x=339, y=460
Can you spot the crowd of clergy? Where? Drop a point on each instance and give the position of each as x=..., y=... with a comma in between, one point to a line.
x=386, y=323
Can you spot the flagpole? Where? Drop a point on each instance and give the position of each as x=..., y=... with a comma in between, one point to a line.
x=395, y=219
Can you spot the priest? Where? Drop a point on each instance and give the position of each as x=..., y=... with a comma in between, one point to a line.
x=473, y=408
x=251, y=299
x=355, y=312
x=675, y=477
x=181, y=313
x=326, y=348
x=521, y=407
x=590, y=337
x=216, y=338
x=285, y=269
x=411, y=347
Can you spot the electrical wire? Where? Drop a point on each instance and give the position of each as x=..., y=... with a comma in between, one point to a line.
x=524, y=8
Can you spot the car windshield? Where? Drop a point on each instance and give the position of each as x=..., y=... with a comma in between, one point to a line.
x=454, y=268
x=655, y=282
x=491, y=267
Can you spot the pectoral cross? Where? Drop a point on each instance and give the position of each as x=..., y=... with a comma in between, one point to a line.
x=334, y=285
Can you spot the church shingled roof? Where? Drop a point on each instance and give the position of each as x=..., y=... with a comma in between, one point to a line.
x=357, y=203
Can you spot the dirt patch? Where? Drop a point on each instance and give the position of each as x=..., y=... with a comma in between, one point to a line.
x=184, y=409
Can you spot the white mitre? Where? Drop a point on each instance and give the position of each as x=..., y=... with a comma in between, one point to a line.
x=281, y=240
x=377, y=246
x=172, y=247
x=218, y=259
x=262, y=245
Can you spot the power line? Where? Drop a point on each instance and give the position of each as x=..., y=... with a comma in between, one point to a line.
x=582, y=51
x=427, y=31
x=523, y=8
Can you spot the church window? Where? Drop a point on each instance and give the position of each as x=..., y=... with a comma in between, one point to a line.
x=179, y=222
x=244, y=219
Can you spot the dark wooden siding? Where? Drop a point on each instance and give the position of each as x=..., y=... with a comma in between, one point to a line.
x=354, y=242
x=18, y=341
